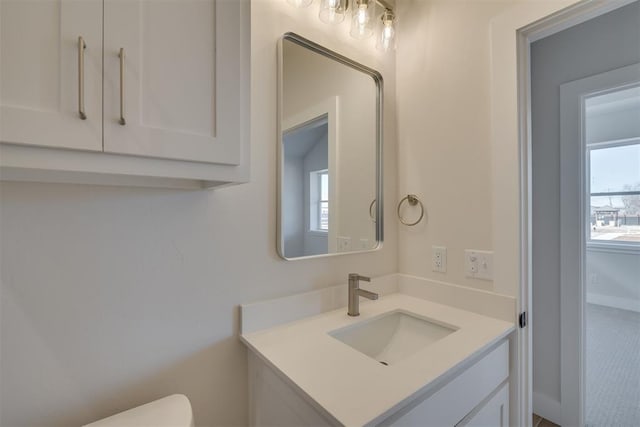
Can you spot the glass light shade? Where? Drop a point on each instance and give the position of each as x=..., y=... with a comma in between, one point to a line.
x=387, y=35
x=300, y=3
x=362, y=18
x=332, y=11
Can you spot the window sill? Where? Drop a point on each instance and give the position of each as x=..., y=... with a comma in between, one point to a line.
x=622, y=248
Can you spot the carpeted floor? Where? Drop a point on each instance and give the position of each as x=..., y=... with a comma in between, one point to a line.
x=613, y=367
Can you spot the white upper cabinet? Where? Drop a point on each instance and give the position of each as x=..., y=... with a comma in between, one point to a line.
x=163, y=86
x=43, y=73
x=168, y=91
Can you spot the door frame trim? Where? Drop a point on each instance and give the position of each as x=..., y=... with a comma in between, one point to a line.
x=525, y=36
x=573, y=236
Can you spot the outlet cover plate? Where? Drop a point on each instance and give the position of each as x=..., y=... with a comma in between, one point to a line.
x=439, y=259
x=344, y=244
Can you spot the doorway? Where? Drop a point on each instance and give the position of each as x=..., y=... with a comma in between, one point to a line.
x=600, y=248
x=577, y=48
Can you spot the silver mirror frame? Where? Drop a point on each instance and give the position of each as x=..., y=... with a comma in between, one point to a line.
x=377, y=78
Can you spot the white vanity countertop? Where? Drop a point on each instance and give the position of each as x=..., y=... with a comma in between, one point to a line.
x=354, y=388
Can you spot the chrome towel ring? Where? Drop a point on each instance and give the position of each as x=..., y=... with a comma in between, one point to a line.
x=371, y=215
x=413, y=200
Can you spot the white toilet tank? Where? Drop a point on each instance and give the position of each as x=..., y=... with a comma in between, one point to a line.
x=170, y=411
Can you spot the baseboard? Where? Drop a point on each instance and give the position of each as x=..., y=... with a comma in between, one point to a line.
x=547, y=407
x=615, y=302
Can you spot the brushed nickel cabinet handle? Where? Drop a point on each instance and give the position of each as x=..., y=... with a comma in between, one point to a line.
x=122, y=121
x=81, y=47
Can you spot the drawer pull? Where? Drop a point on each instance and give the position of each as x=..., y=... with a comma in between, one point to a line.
x=81, y=47
x=122, y=121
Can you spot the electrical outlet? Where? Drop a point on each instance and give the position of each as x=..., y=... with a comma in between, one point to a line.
x=439, y=259
x=344, y=244
x=364, y=244
x=478, y=264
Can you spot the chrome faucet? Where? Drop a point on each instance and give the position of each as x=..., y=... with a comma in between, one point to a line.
x=355, y=293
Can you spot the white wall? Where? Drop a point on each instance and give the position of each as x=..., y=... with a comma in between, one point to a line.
x=458, y=133
x=602, y=44
x=112, y=297
x=443, y=68
x=457, y=121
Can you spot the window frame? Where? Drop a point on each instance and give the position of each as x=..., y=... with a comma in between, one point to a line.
x=315, y=203
x=606, y=245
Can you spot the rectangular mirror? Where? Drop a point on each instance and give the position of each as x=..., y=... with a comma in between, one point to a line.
x=329, y=152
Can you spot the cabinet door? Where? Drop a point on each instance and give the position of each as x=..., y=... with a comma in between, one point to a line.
x=41, y=73
x=176, y=91
x=492, y=413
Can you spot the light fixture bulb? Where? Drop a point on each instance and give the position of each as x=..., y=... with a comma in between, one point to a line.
x=386, y=40
x=300, y=3
x=362, y=15
x=332, y=11
x=361, y=21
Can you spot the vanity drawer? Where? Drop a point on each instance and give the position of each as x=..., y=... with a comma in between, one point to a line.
x=451, y=403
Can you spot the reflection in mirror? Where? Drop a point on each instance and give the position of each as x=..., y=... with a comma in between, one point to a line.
x=306, y=189
x=329, y=153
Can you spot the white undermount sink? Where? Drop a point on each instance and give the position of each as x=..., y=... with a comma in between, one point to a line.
x=392, y=336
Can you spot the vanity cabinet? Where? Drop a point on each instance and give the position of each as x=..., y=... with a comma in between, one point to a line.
x=275, y=402
x=493, y=412
x=474, y=395
x=128, y=92
x=457, y=401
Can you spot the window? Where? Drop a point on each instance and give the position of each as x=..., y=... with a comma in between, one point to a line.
x=614, y=186
x=319, y=206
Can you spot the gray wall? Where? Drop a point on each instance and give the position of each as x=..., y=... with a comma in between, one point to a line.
x=304, y=151
x=316, y=159
x=614, y=125
x=293, y=205
x=602, y=44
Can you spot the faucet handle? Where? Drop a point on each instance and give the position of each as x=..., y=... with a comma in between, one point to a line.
x=356, y=276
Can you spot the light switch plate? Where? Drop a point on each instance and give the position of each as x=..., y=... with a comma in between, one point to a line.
x=478, y=264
